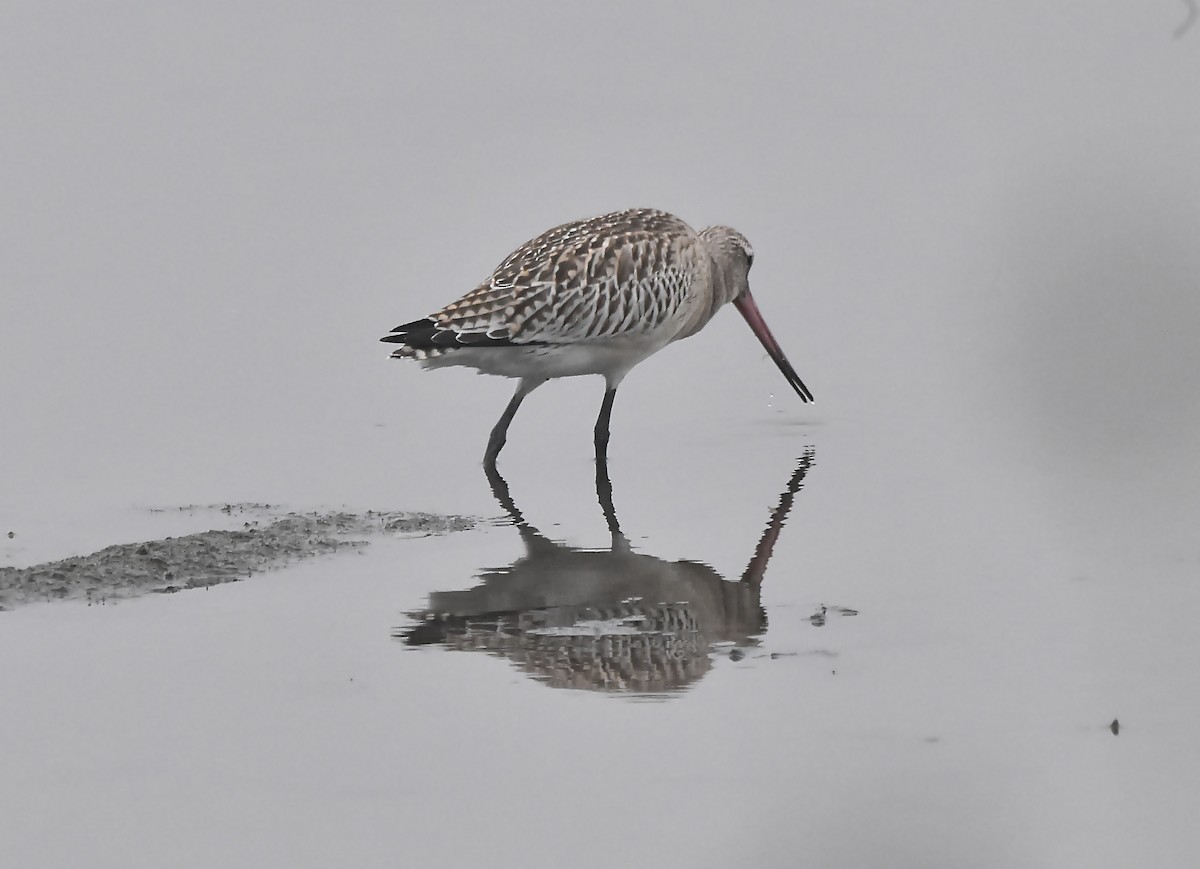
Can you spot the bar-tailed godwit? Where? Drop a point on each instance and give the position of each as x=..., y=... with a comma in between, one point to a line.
x=595, y=296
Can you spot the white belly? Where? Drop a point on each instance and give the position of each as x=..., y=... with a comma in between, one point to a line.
x=612, y=358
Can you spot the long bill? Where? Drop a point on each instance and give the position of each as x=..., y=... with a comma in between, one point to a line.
x=749, y=310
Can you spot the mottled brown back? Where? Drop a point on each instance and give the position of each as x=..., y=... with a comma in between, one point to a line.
x=623, y=273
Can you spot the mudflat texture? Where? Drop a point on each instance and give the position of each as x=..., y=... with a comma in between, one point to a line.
x=209, y=557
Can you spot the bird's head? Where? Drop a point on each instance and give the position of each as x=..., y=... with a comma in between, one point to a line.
x=731, y=256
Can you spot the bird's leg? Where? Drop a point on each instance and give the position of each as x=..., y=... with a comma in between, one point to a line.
x=620, y=543
x=500, y=492
x=500, y=432
x=530, y=535
x=602, y=424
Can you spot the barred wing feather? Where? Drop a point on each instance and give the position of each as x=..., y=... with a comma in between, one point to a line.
x=624, y=273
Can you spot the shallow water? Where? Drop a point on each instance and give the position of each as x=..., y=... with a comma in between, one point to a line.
x=985, y=270
x=960, y=717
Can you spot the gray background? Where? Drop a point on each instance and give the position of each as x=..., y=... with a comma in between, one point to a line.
x=976, y=231
x=211, y=211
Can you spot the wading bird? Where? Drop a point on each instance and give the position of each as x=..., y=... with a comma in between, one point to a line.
x=595, y=296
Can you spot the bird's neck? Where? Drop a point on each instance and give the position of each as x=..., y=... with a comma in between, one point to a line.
x=721, y=290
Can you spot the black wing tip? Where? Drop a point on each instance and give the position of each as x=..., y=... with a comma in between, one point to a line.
x=416, y=325
x=447, y=339
x=418, y=334
x=426, y=334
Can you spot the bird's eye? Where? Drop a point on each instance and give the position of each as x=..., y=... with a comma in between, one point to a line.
x=749, y=259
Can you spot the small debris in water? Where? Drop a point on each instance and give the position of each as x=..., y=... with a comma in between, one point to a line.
x=1115, y=727
x=736, y=654
x=818, y=618
x=12, y=534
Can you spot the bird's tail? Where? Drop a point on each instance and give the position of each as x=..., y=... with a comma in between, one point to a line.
x=416, y=340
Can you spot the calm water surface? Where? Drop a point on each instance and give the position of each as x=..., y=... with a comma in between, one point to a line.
x=952, y=705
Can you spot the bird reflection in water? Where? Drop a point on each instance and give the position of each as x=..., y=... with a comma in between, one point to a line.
x=606, y=620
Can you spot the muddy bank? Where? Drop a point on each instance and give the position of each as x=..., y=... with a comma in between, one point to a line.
x=266, y=541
